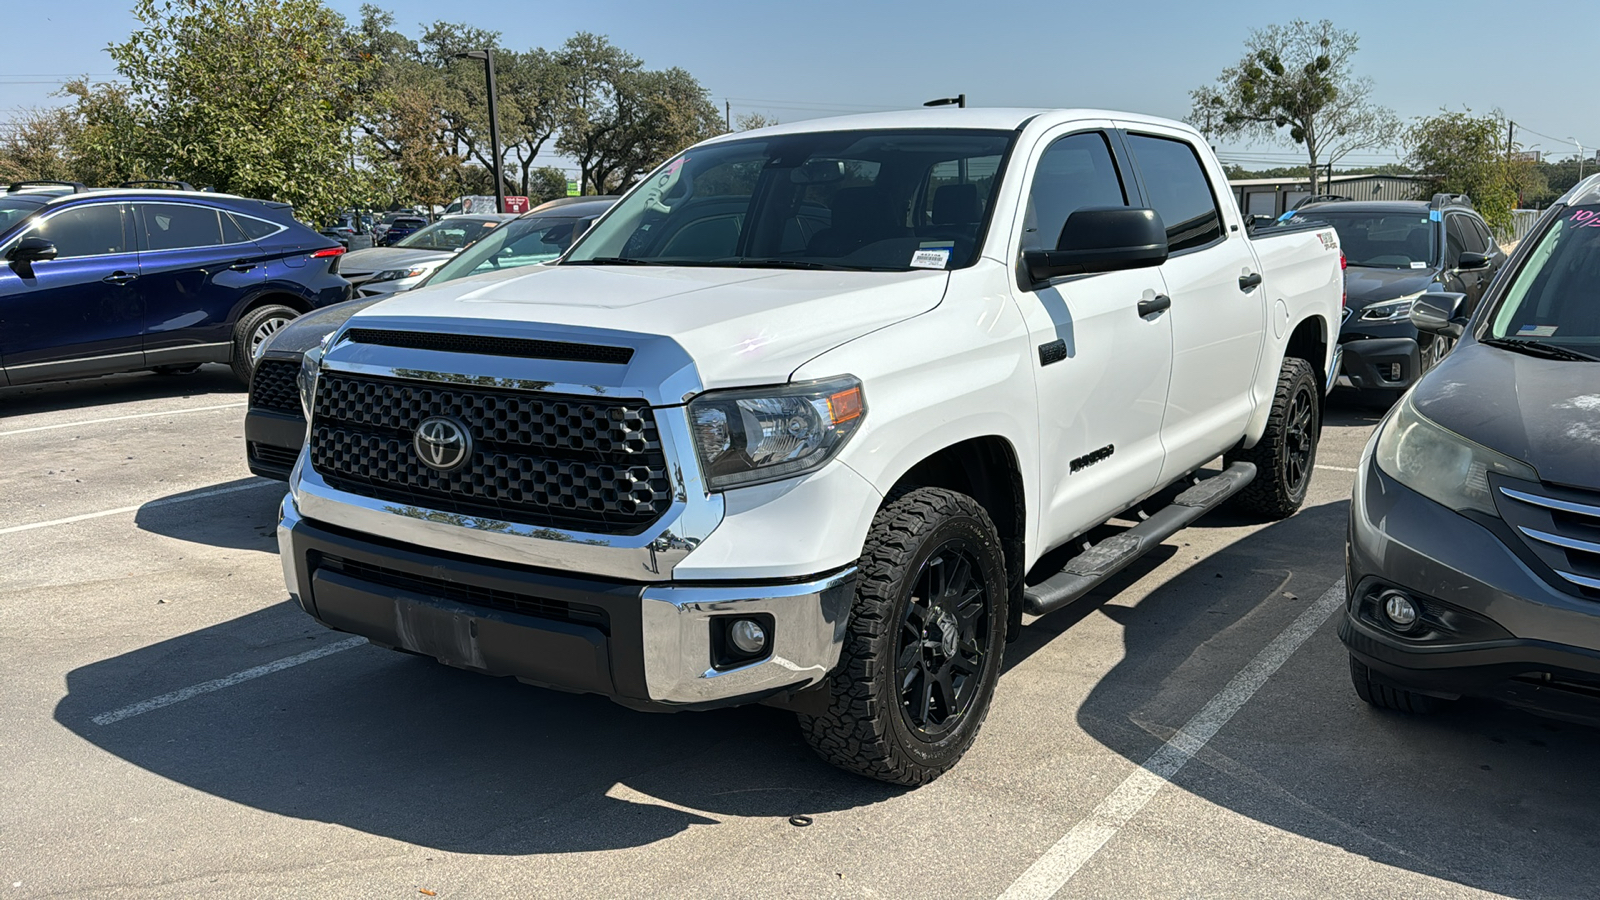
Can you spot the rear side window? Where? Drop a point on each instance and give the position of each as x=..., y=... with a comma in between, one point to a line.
x=1179, y=191
x=255, y=229
x=176, y=226
x=1074, y=173
x=1455, y=241
x=95, y=230
x=1478, y=237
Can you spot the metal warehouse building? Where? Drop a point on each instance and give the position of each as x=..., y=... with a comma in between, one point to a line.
x=1276, y=196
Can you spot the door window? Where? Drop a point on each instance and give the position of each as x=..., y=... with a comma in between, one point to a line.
x=95, y=230
x=1178, y=191
x=1455, y=241
x=1075, y=172
x=1485, y=241
x=178, y=226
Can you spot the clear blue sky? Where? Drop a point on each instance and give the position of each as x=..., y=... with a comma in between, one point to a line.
x=823, y=57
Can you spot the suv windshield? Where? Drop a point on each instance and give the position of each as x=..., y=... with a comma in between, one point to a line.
x=522, y=242
x=449, y=234
x=14, y=211
x=1392, y=240
x=884, y=200
x=1553, y=298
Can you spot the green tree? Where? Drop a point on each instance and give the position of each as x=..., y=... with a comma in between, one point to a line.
x=546, y=183
x=1466, y=154
x=255, y=97
x=1297, y=77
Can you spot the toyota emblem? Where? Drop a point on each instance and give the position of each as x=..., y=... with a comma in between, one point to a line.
x=442, y=443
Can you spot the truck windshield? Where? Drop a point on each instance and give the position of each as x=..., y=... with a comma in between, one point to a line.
x=446, y=234
x=1381, y=240
x=868, y=200
x=1552, y=299
x=522, y=242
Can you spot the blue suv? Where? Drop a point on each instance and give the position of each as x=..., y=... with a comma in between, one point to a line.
x=95, y=281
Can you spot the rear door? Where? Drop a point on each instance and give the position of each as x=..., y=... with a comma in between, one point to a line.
x=1218, y=301
x=80, y=313
x=196, y=264
x=1101, y=369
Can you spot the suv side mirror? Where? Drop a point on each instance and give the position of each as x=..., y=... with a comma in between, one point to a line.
x=1440, y=313
x=1471, y=261
x=32, y=249
x=1101, y=239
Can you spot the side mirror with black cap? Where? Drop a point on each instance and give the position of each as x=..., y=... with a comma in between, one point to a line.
x=1440, y=313
x=28, y=251
x=1101, y=239
x=1471, y=261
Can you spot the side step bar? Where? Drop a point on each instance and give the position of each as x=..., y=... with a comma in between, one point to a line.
x=1113, y=554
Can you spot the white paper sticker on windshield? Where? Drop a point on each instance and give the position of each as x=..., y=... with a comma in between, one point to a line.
x=931, y=258
x=1419, y=265
x=1536, y=331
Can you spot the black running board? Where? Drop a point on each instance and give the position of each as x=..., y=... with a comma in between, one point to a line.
x=1105, y=559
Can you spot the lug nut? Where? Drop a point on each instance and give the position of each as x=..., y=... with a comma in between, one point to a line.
x=747, y=636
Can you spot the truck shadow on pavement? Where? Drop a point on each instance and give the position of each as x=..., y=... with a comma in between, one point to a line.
x=213, y=381
x=402, y=747
x=1485, y=795
x=239, y=515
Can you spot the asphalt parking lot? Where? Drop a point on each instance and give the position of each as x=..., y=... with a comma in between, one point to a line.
x=174, y=727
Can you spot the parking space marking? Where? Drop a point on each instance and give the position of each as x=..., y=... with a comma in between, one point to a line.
x=13, y=529
x=148, y=415
x=217, y=684
x=1051, y=872
x=1337, y=468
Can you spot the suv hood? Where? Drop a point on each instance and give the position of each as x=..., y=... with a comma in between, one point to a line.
x=1545, y=412
x=738, y=326
x=1373, y=285
x=376, y=259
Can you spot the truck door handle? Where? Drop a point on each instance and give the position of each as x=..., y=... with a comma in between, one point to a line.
x=119, y=277
x=1246, y=282
x=242, y=266
x=1154, y=305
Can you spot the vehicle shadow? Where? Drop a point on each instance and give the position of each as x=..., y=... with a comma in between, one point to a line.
x=1485, y=795
x=399, y=746
x=240, y=514
x=211, y=380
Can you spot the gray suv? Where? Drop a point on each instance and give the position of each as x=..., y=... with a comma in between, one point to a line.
x=1474, y=543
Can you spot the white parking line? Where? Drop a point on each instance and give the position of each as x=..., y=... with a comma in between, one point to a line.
x=217, y=684
x=1051, y=872
x=12, y=529
x=1337, y=468
x=148, y=415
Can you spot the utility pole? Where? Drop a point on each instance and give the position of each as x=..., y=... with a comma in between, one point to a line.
x=494, y=125
x=1580, y=156
x=727, y=113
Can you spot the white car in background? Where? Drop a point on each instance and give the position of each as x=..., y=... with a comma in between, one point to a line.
x=386, y=270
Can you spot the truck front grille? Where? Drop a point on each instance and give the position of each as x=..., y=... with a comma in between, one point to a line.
x=273, y=387
x=577, y=463
x=1561, y=526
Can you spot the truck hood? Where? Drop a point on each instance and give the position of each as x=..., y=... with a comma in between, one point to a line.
x=738, y=326
x=1545, y=412
x=1373, y=285
x=376, y=259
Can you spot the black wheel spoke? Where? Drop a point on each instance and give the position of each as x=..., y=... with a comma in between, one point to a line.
x=943, y=639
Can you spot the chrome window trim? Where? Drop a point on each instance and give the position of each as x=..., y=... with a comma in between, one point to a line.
x=220, y=211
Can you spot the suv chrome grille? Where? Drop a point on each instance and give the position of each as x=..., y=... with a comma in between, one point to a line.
x=1561, y=526
x=578, y=463
x=272, y=386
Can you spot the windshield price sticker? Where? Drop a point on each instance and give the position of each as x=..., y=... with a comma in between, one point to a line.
x=1536, y=331
x=1585, y=218
x=932, y=256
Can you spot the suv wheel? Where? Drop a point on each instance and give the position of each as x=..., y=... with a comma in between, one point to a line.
x=922, y=653
x=254, y=329
x=1286, y=453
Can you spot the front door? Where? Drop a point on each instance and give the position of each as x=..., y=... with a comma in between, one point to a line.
x=1218, y=303
x=78, y=314
x=196, y=265
x=1101, y=369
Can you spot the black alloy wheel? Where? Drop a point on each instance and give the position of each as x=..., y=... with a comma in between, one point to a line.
x=1287, y=452
x=1299, y=439
x=943, y=640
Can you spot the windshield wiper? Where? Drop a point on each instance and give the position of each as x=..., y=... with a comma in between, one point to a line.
x=1539, y=348
x=746, y=262
x=613, y=261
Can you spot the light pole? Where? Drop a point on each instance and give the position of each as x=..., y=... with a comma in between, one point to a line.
x=494, y=125
x=1580, y=156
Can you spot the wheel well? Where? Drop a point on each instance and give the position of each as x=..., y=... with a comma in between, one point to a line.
x=1310, y=343
x=986, y=470
x=298, y=304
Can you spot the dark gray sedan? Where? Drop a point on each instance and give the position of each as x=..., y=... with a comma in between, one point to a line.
x=1474, y=544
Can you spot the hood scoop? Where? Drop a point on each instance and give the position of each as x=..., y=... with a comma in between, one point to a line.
x=483, y=345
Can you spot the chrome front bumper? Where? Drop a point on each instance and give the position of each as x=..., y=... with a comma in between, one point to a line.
x=655, y=648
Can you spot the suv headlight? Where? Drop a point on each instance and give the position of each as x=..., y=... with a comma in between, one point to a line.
x=397, y=274
x=1440, y=464
x=1396, y=310
x=756, y=435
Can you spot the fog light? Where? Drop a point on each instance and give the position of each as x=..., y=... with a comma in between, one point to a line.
x=747, y=636
x=1399, y=610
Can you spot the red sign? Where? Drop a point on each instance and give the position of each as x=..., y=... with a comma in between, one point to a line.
x=516, y=204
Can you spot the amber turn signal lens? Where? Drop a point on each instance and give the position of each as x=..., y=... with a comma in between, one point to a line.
x=845, y=405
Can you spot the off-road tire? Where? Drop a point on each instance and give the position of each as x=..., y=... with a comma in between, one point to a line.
x=1288, y=448
x=867, y=727
x=244, y=335
x=1386, y=695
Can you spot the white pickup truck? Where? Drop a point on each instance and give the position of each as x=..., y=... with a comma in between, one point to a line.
x=797, y=421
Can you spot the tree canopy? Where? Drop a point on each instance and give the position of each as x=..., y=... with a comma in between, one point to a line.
x=1468, y=154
